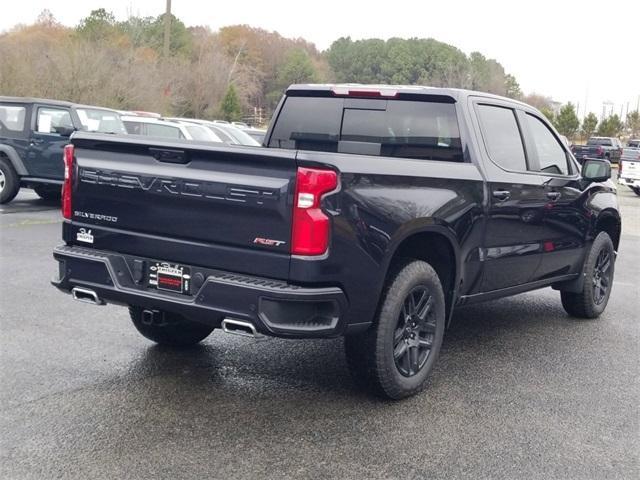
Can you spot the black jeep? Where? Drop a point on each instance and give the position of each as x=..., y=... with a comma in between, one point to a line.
x=33, y=133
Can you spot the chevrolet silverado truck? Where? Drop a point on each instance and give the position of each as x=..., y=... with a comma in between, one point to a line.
x=33, y=133
x=372, y=213
x=599, y=147
x=629, y=171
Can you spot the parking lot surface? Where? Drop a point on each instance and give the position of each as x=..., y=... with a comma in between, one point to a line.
x=520, y=391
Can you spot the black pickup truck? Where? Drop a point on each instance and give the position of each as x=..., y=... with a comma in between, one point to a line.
x=371, y=213
x=599, y=147
x=33, y=133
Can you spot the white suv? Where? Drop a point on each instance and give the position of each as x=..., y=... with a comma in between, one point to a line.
x=159, y=128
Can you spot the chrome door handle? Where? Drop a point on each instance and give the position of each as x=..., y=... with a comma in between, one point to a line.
x=501, y=195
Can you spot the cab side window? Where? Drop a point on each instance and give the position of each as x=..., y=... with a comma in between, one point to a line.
x=53, y=120
x=552, y=158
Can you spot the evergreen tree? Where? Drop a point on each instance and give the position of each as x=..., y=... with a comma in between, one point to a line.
x=567, y=122
x=230, y=108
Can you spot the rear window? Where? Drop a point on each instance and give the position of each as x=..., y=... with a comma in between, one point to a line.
x=606, y=142
x=225, y=137
x=634, y=143
x=392, y=128
x=12, y=118
x=201, y=134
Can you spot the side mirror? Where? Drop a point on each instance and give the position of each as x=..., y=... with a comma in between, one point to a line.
x=65, y=131
x=596, y=170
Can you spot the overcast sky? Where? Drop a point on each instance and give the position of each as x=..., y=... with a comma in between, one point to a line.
x=579, y=51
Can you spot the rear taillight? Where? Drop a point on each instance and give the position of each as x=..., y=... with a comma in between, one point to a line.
x=67, y=185
x=310, y=231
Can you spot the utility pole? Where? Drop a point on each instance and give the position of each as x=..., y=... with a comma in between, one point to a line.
x=167, y=29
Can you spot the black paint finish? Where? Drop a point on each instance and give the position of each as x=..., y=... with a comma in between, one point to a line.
x=508, y=231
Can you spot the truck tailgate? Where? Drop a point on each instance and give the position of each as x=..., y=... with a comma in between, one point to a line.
x=630, y=170
x=219, y=207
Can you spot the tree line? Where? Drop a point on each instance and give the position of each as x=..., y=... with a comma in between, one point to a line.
x=568, y=124
x=237, y=71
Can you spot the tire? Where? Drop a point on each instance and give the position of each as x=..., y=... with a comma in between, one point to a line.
x=9, y=181
x=375, y=357
x=47, y=192
x=598, y=273
x=173, y=330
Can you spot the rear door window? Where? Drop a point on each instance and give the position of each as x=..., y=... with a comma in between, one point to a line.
x=425, y=130
x=165, y=131
x=53, y=120
x=502, y=136
x=133, y=128
x=98, y=120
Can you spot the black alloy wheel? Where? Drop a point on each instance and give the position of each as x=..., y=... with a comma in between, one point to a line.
x=601, y=276
x=414, y=333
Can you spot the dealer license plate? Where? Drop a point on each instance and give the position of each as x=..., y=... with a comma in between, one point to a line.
x=170, y=277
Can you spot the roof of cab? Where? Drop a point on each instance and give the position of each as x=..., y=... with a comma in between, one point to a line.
x=457, y=94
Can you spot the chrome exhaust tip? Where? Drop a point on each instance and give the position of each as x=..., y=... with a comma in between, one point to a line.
x=240, y=327
x=87, y=296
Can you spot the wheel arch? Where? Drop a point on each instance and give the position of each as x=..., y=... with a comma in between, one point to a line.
x=15, y=160
x=443, y=256
x=609, y=221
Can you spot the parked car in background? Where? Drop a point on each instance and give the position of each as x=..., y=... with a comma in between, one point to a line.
x=599, y=147
x=228, y=133
x=240, y=124
x=629, y=171
x=33, y=133
x=154, y=127
x=224, y=136
x=140, y=113
x=241, y=136
x=372, y=212
x=257, y=134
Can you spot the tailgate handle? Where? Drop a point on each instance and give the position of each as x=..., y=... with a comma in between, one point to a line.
x=168, y=155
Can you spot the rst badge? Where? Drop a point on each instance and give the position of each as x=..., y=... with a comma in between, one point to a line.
x=84, y=235
x=268, y=242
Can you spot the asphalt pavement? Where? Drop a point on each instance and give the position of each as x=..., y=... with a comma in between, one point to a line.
x=521, y=391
